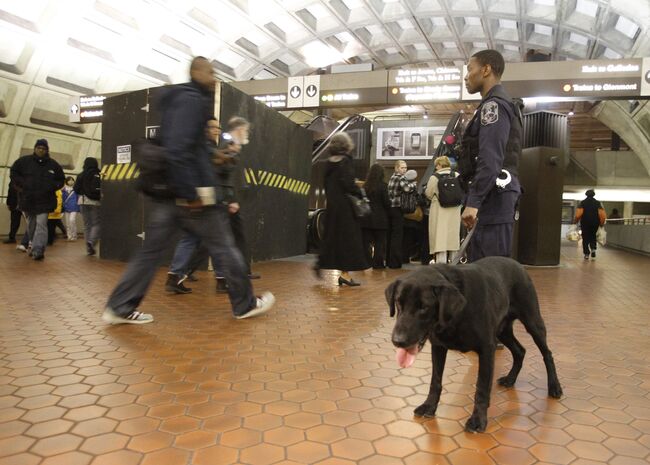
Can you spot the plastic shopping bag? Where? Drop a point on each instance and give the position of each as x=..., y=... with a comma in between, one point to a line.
x=573, y=234
x=601, y=236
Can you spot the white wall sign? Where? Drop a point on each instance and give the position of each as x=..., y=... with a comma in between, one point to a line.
x=295, y=91
x=123, y=154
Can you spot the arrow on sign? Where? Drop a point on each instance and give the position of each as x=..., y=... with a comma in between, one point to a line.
x=311, y=90
x=295, y=91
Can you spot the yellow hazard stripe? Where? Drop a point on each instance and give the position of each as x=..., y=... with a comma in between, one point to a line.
x=128, y=171
x=129, y=175
x=124, y=171
x=109, y=170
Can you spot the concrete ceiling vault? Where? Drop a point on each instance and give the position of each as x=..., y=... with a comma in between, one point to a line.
x=51, y=50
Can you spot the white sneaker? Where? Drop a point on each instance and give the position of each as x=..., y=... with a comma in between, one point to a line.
x=134, y=318
x=264, y=303
x=21, y=247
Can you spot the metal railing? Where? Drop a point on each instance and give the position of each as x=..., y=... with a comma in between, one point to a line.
x=636, y=221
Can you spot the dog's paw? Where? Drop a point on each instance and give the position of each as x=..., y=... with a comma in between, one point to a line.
x=475, y=424
x=506, y=381
x=555, y=391
x=425, y=410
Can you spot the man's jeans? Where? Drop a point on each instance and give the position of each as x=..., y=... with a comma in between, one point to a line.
x=37, y=230
x=212, y=227
x=185, y=249
x=92, y=221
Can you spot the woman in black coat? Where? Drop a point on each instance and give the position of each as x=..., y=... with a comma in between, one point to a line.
x=342, y=246
x=375, y=226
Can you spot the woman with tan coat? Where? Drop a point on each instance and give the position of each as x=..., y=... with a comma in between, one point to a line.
x=444, y=222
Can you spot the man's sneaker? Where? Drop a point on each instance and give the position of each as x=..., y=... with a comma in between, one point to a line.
x=593, y=254
x=264, y=303
x=37, y=256
x=175, y=284
x=222, y=286
x=21, y=247
x=9, y=240
x=586, y=256
x=134, y=318
x=192, y=278
x=90, y=249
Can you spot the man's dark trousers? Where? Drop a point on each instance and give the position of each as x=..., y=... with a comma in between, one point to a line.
x=212, y=226
x=237, y=227
x=16, y=215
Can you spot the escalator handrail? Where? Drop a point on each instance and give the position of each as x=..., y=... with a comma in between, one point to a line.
x=341, y=127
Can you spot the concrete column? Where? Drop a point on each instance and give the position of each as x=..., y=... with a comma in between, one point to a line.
x=628, y=208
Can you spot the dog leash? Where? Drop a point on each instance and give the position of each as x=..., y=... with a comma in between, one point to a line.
x=463, y=247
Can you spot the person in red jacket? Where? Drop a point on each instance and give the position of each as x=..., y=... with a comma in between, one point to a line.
x=591, y=215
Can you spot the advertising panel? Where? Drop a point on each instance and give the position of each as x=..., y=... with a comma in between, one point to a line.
x=408, y=143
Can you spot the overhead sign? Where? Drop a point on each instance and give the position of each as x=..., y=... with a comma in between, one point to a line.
x=429, y=85
x=87, y=108
x=645, y=77
x=312, y=91
x=295, y=87
x=273, y=100
x=575, y=80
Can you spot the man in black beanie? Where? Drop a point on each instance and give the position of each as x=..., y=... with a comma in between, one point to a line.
x=36, y=178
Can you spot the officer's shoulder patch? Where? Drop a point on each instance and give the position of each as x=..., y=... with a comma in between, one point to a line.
x=489, y=113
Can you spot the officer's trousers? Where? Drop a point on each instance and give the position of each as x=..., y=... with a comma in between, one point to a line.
x=490, y=240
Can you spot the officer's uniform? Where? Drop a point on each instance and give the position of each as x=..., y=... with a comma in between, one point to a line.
x=492, y=143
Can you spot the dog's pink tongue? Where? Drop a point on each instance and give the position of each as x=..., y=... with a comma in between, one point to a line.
x=406, y=357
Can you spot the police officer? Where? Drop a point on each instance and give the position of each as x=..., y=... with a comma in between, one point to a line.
x=491, y=148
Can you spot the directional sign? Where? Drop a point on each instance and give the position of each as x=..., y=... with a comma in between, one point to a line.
x=645, y=77
x=312, y=91
x=295, y=92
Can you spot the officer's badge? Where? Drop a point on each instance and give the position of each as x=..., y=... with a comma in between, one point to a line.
x=489, y=113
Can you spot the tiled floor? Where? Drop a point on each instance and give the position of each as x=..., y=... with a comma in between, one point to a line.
x=314, y=382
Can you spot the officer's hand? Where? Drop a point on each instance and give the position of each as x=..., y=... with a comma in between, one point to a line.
x=233, y=208
x=196, y=204
x=469, y=217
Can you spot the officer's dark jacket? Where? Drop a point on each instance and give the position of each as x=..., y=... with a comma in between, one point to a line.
x=37, y=180
x=186, y=110
x=492, y=142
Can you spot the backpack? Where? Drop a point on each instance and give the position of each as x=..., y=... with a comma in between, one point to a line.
x=89, y=184
x=152, y=164
x=450, y=193
x=408, y=201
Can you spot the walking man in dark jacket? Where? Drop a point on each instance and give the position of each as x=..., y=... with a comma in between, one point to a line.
x=591, y=215
x=37, y=177
x=12, y=205
x=196, y=208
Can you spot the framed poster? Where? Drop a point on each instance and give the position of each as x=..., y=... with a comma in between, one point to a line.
x=408, y=143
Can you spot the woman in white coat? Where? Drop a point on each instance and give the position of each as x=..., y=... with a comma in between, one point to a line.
x=444, y=222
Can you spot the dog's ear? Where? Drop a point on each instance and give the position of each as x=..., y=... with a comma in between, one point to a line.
x=390, y=296
x=450, y=303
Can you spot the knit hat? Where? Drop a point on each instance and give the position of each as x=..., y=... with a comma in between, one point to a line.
x=411, y=175
x=42, y=143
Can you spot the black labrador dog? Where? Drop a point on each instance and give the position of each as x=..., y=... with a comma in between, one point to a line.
x=468, y=307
